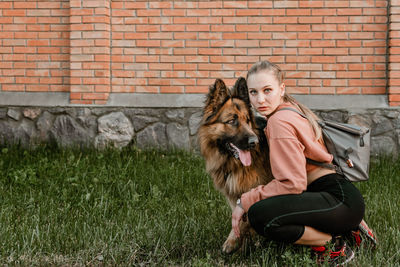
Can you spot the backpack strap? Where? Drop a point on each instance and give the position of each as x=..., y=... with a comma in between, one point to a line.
x=295, y=110
x=311, y=161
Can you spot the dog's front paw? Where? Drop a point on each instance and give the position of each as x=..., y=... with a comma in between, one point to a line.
x=230, y=245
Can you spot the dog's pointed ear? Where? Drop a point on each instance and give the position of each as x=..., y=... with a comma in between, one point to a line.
x=217, y=96
x=241, y=91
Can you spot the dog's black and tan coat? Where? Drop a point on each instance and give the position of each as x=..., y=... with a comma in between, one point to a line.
x=234, y=148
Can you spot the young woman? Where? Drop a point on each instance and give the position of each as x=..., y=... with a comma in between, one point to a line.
x=304, y=204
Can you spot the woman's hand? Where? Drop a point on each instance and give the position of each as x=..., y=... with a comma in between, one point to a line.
x=237, y=215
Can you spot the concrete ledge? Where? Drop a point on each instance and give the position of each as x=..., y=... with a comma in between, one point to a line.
x=34, y=99
x=325, y=102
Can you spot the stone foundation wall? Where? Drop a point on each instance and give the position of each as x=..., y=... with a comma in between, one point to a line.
x=163, y=128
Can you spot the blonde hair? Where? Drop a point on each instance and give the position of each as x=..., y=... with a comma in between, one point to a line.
x=276, y=70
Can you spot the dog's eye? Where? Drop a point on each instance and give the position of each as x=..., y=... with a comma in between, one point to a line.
x=232, y=121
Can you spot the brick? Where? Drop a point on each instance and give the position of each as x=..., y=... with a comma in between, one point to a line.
x=247, y=28
x=184, y=20
x=374, y=27
x=336, y=3
x=310, y=36
x=284, y=51
x=210, y=20
x=161, y=35
x=348, y=74
x=260, y=36
x=360, y=66
x=197, y=27
x=176, y=43
x=286, y=4
x=148, y=43
x=349, y=11
x=223, y=12
x=361, y=51
x=187, y=51
x=348, y=90
x=148, y=13
x=38, y=13
x=310, y=51
x=198, y=12
x=374, y=11
x=323, y=27
x=336, y=51
x=273, y=12
x=297, y=74
x=14, y=13
x=323, y=59
x=95, y=96
x=232, y=51
x=173, y=12
x=235, y=20
x=298, y=28
x=248, y=12
x=160, y=66
x=15, y=27
x=361, y=35
x=324, y=12
x=297, y=59
x=321, y=43
x=147, y=58
x=194, y=43
x=322, y=90
x=235, y=36
x=309, y=82
x=210, y=51
x=336, y=35
x=284, y=20
x=373, y=90
x=260, y=4
x=221, y=59
x=247, y=43
x=361, y=19
x=310, y=20
x=186, y=66
x=335, y=82
x=337, y=20
x=210, y=36
x=223, y=28
x=280, y=36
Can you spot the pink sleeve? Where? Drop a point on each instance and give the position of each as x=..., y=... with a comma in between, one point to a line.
x=288, y=165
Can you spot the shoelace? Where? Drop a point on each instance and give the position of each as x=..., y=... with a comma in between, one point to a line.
x=357, y=237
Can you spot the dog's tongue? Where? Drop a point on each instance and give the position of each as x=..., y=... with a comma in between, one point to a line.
x=244, y=156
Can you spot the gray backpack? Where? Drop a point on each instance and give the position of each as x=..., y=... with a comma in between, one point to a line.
x=350, y=146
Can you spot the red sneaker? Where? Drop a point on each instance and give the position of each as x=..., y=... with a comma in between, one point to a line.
x=339, y=256
x=364, y=234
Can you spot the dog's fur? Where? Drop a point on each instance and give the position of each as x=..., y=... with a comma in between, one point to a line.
x=228, y=135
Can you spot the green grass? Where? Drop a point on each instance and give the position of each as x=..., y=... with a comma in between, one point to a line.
x=149, y=208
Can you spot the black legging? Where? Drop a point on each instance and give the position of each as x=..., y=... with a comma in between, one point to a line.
x=331, y=204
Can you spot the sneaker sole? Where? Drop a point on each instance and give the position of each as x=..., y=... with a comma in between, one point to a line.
x=348, y=259
x=368, y=233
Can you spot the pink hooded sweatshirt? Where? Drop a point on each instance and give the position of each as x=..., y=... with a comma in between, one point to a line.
x=291, y=140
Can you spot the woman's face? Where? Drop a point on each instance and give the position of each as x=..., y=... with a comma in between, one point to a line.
x=266, y=93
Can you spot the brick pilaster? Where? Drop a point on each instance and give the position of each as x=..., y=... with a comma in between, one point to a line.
x=394, y=53
x=90, y=51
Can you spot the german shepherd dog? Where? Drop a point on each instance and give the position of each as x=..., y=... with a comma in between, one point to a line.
x=234, y=148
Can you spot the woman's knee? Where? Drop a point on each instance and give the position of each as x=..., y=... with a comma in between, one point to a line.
x=258, y=217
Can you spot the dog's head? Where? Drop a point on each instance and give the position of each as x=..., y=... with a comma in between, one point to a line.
x=228, y=120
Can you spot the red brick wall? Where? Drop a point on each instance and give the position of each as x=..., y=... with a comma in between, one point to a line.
x=96, y=47
x=34, y=46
